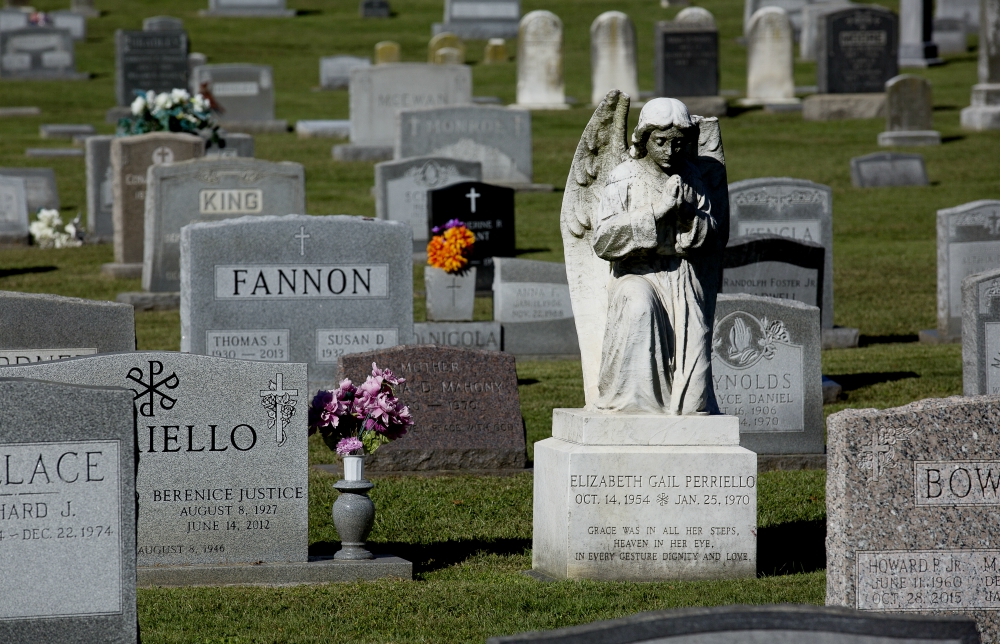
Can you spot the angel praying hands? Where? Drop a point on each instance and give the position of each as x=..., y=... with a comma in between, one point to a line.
x=644, y=228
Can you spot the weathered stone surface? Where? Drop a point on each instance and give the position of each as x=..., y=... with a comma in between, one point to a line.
x=766, y=370
x=911, y=509
x=784, y=624
x=13, y=210
x=968, y=242
x=793, y=8
x=149, y=60
x=462, y=335
x=464, y=402
x=131, y=157
x=499, y=138
x=769, y=58
x=612, y=56
x=401, y=189
x=539, y=62
x=445, y=40
x=531, y=300
x=981, y=333
x=795, y=208
x=222, y=472
x=687, y=56
x=480, y=19
x=882, y=169
x=856, y=49
x=386, y=51
x=909, y=113
x=495, y=52
x=68, y=579
x=379, y=92
x=41, y=53
x=335, y=71
x=36, y=326
x=838, y=107
x=100, y=196
x=200, y=190
x=301, y=288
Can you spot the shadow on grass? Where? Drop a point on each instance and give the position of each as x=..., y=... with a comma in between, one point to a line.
x=791, y=548
x=527, y=381
x=11, y=272
x=868, y=340
x=854, y=381
x=952, y=139
x=428, y=557
x=525, y=251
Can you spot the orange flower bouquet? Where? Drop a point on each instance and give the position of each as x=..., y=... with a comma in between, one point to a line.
x=450, y=247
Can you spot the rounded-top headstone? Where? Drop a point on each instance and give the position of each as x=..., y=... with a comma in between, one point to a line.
x=445, y=40
x=449, y=56
x=769, y=55
x=909, y=104
x=387, y=51
x=495, y=51
x=696, y=16
x=612, y=56
x=539, y=60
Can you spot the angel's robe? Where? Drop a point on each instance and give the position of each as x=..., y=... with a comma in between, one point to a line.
x=656, y=355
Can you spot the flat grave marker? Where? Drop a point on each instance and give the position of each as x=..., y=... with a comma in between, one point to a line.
x=40, y=184
x=248, y=9
x=480, y=19
x=886, y=169
x=162, y=23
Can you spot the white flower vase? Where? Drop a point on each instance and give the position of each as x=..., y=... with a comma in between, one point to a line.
x=354, y=468
x=450, y=296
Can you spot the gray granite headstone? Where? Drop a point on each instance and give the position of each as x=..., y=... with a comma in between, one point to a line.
x=100, y=197
x=35, y=327
x=909, y=112
x=149, y=60
x=68, y=511
x=795, y=208
x=74, y=23
x=766, y=369
x=374, y=9
x=887, y=169
x=162, y=23
x=38, y=53
x=245, y=92
x=981, y=333
x=237, y=144
x=335, y=71
x=911, y=501
x=968, y=242
x=856, y=49
x=531, y=301
x=249, y=8
x=462, y=335
x=200, y=190
x=378, y=92
x=222, y=476
x=687, y=59
x=11, y=19
x=301, y=288
x=480, y=19
x=401, y=189
x=950, y=35
x=775, y=624
x=40, y=184
x=131, y=157
x=497, y=137
x=13, y=210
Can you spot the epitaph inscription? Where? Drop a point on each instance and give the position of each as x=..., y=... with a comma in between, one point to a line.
x=27, y=356
x=928, y=580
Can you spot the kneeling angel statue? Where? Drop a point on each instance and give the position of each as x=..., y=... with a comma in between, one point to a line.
x=644, y=230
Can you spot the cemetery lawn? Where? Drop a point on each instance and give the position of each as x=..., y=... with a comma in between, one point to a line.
x=469, y=537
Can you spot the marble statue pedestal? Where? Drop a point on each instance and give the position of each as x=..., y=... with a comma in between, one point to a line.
x=644, y=497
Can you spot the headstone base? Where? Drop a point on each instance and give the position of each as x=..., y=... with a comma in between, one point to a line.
x=933, y=336
x=542, y=106
x=14, y=240
x=337, y=129
x=49, y=153
x=919, y=55
x=705, y=105
x=247, y=13
x=831, y=391
x=984, y=112
x=461, y=335
x=318, y=570
x=526, y=187
x=114, y=114
x=639, y=497
x=839, y=107
x=840, y=338
x=911, y=137
x=278, y=126
x=146, y=301
x=541, y=340
x=768, y=102
x=353, y=152
x=122, y=271
x=478, y=30
x=7, y=112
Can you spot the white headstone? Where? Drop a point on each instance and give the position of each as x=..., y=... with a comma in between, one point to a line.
x=539, y=62
x=769, y=57
x=612, y=56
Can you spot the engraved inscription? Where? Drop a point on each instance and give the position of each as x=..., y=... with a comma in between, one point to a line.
x=230, y=202
x=58, y=501
x=296, y=281
x=803, y=230
x=920, y=580
x=333, y=343
x=533, y=302
x=27, y=356
x=953, y=483
x=245, y=344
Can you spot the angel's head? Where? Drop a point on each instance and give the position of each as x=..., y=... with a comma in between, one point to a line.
x=664, y=132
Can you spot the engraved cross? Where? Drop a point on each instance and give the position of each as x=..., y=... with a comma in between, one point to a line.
x=876, y=449
x=302, y=237
x=454, y=290
x=279, y=407
x=472, y=196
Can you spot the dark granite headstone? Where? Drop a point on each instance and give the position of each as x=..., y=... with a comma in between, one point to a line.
x=68, y=513
x=374, y=9
x=784, y=624
x=774, y=266
x=857, y=50
x=488, y=211
x=149, y=60
x=465, y=404
x=687, y=60
x=886, y=169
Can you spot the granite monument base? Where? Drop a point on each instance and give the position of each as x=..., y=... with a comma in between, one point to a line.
x=771, y=102
x=705, y=105
x=149, y=301
x=276, y=126
x=354, y=152
x=984, y=112
x=122, y=271
x=840, y=107
x=318, y=570
x=934, y=336
x=911, y=137
x=840, y=337
x=644, y=497
x=247, y=13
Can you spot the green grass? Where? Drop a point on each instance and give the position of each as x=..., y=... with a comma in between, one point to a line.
x=470, y=536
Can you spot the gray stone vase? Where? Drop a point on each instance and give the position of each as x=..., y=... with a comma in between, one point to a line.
x=353, y=516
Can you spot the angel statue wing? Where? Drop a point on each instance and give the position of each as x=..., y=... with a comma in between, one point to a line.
x=602, y=147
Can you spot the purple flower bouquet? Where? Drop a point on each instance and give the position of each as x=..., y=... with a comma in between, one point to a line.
x=355, y=421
